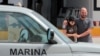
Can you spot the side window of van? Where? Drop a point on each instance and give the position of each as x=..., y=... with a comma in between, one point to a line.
x=23, y=29
x=3, y=27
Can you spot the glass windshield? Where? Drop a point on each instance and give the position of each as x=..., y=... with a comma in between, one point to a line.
x=37, y=33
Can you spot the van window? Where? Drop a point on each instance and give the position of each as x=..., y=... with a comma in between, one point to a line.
x=3, y=27
x=22, y=29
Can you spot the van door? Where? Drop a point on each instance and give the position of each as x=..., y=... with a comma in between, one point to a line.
x=28, y=37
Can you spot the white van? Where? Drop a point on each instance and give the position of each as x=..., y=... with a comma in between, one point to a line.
x=24, y=32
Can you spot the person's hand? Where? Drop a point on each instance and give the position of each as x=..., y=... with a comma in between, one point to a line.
x=76, y=35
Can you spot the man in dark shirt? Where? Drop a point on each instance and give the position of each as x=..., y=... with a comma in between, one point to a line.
x=84, y=26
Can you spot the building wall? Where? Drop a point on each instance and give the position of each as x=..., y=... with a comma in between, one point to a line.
x=46, y=9
x=25, y=3
x=0, y=0
x=79, y=4
x=15, y=1
x=89, y=4
x=96, y=14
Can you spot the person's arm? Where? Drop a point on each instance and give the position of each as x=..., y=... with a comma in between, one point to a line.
x=69, y=35
x=64, y=24
x=85, y=33
x=88, y=31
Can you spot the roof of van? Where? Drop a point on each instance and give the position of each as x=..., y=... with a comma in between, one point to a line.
x=14, y=8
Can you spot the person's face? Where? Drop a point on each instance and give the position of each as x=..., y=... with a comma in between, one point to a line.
x=83, y=13
x=72, y=23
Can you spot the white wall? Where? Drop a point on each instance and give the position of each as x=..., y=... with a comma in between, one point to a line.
x=0, y=0
x=15, y=1
x=96, y=14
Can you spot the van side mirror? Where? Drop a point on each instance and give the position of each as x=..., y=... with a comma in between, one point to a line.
x=50, y=37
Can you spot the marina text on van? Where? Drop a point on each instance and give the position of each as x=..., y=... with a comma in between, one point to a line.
x=27, y=51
